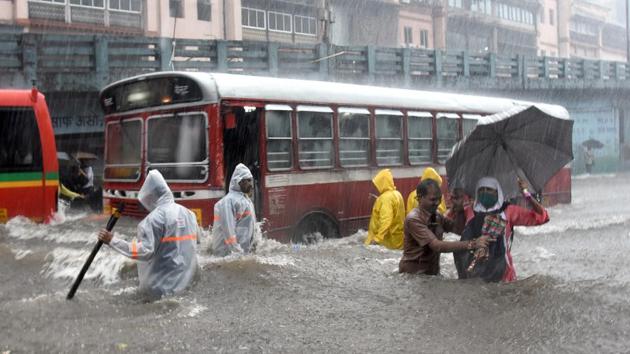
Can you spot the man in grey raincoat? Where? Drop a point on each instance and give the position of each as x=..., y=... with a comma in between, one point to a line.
x=234, y=216
x=166, y=241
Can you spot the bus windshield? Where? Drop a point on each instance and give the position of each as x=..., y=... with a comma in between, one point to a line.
x=20, y=147
x=123, y=148
x=178, y=145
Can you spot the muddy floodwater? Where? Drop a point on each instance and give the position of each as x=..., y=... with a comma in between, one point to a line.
x=336, y=296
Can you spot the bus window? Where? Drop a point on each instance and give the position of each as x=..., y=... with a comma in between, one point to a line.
x=420, y=133
x=122, y=152
x=469, y=122
x=315, y=137
x=177, y=145
x=20, y=147
x=354, y=136
x=447, y=134
x=278, y=127
x=388, y=137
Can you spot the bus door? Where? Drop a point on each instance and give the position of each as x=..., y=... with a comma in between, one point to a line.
x=21, y=168
x=240, y=145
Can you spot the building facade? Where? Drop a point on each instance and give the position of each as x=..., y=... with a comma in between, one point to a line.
x=493, y=26
x=422, y=24
x=548, y=28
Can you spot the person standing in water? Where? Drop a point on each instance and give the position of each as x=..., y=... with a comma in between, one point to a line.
x=165, y=247
x=424, y=230
x=234, y=216
x=388, y=213
x=492, y=217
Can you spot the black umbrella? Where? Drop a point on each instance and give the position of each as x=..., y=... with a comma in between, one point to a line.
x=532, y=143
x=593, y=144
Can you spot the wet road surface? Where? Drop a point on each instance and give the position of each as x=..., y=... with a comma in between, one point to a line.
x=336, y=296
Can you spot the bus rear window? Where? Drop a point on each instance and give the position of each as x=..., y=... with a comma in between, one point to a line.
x=123, y=148
x=20, y=146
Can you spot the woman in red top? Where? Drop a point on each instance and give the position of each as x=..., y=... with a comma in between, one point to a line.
x=491, y=216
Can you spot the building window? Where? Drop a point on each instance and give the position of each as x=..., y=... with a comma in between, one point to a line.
x=315, y=137
x=482, y=6
x=541, y=15
x=455, y=3
x=176, y=8
x=354, y=137
x=388, y=137
x=60, y=2
x=408, y=36
x=253, y=18
x=89, y=3
x=279, y=22
x=551, y=17
x=305, y=25
x=125, y=5
x=424, y=38
x=204, y=10
x=420, y=133
x=278, y=127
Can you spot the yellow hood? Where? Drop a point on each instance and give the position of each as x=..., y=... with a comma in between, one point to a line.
x=384, y=181
x=431, y=173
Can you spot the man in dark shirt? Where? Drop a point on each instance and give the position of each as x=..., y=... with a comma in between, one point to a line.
x=424, y=230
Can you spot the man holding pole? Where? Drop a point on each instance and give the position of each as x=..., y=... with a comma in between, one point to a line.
x=166, y=243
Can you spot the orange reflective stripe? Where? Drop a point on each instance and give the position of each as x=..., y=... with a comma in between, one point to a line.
x=216, y=218
x=134, y=250
x=230, y=240
x=179, y=238
x=244, y=214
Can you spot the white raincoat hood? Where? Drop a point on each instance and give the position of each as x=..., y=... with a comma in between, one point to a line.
x=155, y=191
x=488, y=182
x=241, y=172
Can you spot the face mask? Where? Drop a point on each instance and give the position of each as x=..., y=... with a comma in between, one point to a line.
x=488, y=200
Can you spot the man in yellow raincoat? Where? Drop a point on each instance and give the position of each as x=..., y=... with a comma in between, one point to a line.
x=429, y=173
x=388, y=213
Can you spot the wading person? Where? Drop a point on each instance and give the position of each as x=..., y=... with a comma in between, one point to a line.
x=234, y=216
x=492, y=217
x=388, y=213
x=589, y=159
x=424, y=231
x=166, y=241
x=412, y=201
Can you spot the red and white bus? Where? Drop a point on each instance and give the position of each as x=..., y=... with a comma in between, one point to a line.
x=312, y=146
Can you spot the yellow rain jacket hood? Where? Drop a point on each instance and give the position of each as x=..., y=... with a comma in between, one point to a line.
x=429, y=173
x=388, y=213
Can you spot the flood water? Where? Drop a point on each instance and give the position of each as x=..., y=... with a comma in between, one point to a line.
x=337, y=296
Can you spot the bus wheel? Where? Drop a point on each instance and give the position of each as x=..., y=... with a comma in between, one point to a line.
x=315, y=228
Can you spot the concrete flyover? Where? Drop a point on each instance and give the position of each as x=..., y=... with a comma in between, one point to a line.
x=71, y=69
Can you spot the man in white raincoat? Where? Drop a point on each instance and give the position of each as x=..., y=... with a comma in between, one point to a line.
x=234, y=216
x=166, y=241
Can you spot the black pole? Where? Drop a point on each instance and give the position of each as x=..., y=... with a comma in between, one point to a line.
x=110, y=225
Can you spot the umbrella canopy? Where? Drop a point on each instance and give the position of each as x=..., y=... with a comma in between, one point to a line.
x=81, y=155
x=65, y=159
x=593, y=144
x=63, y=156
x=532, y=143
